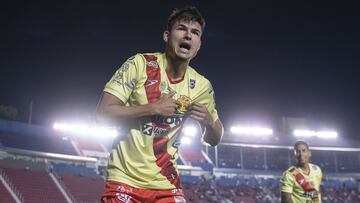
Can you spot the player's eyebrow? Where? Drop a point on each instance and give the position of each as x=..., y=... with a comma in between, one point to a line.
x=181, y=25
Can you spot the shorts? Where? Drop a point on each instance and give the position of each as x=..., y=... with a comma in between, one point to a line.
x=117, y=192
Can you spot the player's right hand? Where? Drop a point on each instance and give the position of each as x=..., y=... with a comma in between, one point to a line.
x=166, y=105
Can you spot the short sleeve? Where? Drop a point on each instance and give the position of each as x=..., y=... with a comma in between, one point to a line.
x=207, y=98
x=125, y=79
x=287, y=182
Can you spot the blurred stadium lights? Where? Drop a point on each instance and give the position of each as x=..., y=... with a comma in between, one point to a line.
x=311, y=133
x=251, y=130
x=304, y=133
x=189, y=131
x=84, y=129
x=186, y=140
x=327, y=134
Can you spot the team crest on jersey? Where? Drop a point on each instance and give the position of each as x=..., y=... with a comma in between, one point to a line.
x=183, y=103
x=192, y=83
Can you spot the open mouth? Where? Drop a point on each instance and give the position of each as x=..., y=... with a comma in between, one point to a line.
x=185, y=46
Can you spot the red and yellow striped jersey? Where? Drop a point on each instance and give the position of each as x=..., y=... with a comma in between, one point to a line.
x=302, y=185
x=146, y=157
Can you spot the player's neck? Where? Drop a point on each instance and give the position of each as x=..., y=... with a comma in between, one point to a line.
x=176, y=68
x=304, y=167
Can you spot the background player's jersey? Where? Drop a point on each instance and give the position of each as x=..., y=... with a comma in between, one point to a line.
x=300, y=184
x=146, y=157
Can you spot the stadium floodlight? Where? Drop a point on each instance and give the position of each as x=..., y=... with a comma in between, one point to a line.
x=185, y=140
x=251, y=130
x=319, y=134
x=326, y=134
x=189, y=131
x=304, y=133
x=84, y=129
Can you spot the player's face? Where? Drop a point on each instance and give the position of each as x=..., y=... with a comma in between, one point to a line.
x=183, y=40
x=302, y=154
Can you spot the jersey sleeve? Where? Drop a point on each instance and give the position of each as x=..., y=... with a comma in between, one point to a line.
x=287, y=182
x=207, y=98
x=125, y=79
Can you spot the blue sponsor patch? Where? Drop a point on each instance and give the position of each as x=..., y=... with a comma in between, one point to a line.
x=314, y=167
x=192, y=83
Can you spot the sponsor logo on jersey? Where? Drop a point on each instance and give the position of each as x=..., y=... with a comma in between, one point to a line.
x=123, y=197
x=176, y=120
x=192, y=83
x=159, y=131
x=150, y=82
x=152, y=64
x=147, y=129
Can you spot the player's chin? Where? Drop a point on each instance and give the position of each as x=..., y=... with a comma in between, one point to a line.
x=301, y=161
x=185, y=56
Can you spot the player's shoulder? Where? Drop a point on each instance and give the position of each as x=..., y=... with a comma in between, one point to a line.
x=140, y=60
x=150, y=56
x=200, y=79
x=288, y=174
x=315, y=168
x=291, y=169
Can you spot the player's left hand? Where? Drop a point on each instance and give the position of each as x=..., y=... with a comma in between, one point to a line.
x=200, y=113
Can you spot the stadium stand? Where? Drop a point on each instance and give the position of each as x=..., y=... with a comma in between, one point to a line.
x=34, y=186
x=94, y=186
x=232, y=172
x=5, y=194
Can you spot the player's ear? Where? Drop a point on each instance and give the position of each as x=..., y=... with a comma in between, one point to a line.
x=166, y=36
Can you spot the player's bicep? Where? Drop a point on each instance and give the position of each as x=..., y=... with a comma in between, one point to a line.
x=106, y=106
x=108, y=99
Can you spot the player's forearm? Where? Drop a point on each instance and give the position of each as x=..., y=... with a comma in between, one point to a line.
x=115, y=112
x=214, y=133
x=286, y=197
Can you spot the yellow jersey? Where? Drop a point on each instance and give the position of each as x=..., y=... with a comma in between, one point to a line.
x=302, y=185
x=146, y=156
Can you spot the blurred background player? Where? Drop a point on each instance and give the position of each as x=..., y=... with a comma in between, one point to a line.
x=151, y=94
x=301, y=183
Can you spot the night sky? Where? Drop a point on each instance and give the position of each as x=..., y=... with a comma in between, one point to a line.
x=265, y=60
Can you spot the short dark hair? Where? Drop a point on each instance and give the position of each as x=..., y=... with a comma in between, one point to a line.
x=190, y=13
x=300, y=142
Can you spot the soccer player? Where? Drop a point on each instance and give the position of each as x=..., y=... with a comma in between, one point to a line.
x=151, y=95
x=301, y=183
